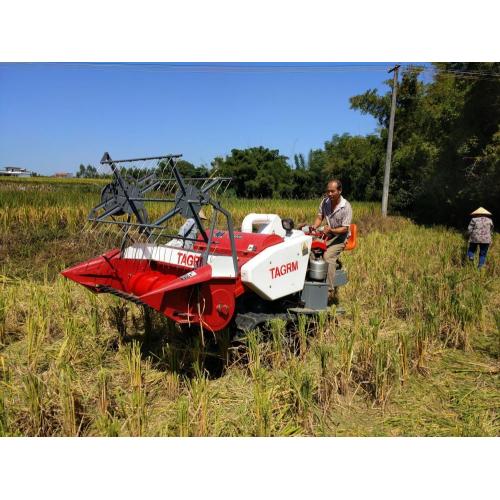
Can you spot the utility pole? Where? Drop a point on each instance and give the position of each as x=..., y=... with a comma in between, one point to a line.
x=387, y=173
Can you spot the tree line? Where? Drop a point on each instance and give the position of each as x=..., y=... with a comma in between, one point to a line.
x=446, y=150
x=186, y=168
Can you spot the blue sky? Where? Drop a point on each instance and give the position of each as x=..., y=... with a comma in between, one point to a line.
x=55, y=116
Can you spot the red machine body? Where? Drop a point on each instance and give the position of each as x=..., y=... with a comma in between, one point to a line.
x=185, y=291
x=260, y=272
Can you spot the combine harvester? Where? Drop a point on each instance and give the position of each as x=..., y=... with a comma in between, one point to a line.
x=220, y=278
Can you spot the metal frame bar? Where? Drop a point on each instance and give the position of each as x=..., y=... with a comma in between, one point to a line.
x=103, y=161
x=230, y=229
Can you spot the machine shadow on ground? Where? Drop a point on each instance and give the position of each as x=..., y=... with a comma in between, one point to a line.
x=189, y=351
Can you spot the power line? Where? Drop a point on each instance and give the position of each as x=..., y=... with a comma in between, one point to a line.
x=218, y=67
x=459, y=73
x=261, y=68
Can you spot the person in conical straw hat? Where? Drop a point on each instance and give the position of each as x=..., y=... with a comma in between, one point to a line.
x=480, y=235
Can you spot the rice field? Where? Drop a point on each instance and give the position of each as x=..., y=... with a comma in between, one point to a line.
x=416, y=352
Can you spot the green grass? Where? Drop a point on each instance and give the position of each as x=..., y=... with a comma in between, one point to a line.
x=416, y=353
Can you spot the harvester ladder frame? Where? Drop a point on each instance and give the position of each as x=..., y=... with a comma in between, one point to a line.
x=145, y=185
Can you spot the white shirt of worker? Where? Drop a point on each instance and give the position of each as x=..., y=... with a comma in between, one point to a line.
x=340, y=216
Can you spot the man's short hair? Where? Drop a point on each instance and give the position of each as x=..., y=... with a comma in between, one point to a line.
x=337, y=181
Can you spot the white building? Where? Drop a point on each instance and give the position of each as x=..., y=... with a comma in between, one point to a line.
x=15, y=172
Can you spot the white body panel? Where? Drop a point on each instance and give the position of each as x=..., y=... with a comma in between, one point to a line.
x=279, y=270
x=276, y=272
x=265, y=224
x=222, y=265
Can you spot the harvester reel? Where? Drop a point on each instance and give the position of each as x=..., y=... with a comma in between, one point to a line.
x=117, y=196
x=192, y=196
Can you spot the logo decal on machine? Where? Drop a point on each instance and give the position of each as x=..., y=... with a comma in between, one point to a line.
x=187, y=275
x=188, y=259
x=278, y=271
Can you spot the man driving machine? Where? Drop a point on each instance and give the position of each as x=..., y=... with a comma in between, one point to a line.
x=338, y=214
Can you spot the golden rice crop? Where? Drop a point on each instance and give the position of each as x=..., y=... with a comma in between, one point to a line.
x=415, y=353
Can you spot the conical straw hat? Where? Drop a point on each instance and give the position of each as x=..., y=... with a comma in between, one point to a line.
x=481, y=211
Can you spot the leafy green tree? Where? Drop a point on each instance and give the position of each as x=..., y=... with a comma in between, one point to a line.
x=445, y=149
x=186, y=169
x=411, y=153
x=257, y=172
x=302, y=185
x=317, y=165
x=299, y=162
x=81, y=171
x=465, y=133
x=87, y=172
x=357, y=161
